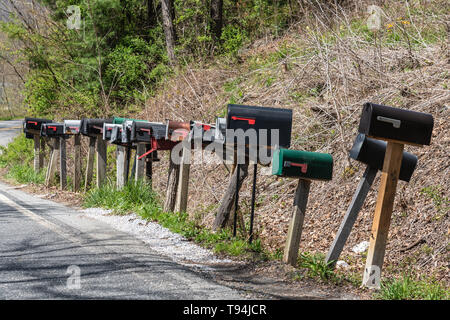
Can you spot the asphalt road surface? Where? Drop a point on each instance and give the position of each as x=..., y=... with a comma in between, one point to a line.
x=49, y=251
x=8, y=130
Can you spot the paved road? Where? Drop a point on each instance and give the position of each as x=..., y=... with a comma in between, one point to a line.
x=44, y=245
x=8, y=130
x=40, y=240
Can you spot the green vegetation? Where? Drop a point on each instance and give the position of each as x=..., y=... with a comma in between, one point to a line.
x=408, y=288
x=18, y=159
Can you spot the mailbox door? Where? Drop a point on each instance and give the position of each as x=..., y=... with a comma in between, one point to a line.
x=254, y=117
x=52, y=129
x=140, y=132
x=397, y=124
x=302, y=164
x=372, y=151
x=72, y=126
x=92, y=127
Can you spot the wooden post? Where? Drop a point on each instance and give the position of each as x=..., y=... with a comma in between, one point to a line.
x=52, y=164
x=101, y=161
x=183, y=183
x=172, y=185
x=149, y=164
x=38, y=153
x=351, y=215
x=227, y=202
x=62, y=164
x=90, y=162
x=77, y=163
x=382, y=216
x=296, y=225
x=121, y=155
x=140, y=164
x=252, y=213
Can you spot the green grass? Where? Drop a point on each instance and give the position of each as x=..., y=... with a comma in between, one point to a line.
x=17, y=157
x=24, y=173
x=138, y=197
x=408, y=288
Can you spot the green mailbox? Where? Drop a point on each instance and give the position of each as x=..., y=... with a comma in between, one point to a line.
x=302, y=164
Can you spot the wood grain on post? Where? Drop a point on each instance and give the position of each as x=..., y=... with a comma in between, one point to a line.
x=296, y=224
x=53, y=163
x=172, y=185
x=77, y=163
x=101, y=161
x=227, y=202
x=148, y=164
x=183, y=183
x=351, y=215
x=62, y=164
x=38, y=155
x=382, y=216
x=121, y=155
x=140, y=164
x=90, y=162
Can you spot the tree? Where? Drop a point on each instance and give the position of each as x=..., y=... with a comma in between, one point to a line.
x=216, y=15
x=169, y=31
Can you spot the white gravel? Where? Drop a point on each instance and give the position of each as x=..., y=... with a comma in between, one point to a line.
x=160, y=239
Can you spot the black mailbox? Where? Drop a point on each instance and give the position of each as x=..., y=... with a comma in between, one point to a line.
x=144, y=131
x=253, y=117
x=53, y=129
x=390, y=123
x=33, y=126
x=372, y=151
x=93, y=127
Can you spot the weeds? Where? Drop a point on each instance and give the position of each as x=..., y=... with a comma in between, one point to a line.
x=407, y=288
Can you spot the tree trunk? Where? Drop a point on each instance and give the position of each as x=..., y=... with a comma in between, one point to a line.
x=172, y=186
x=151, y=13
x=216, y=19
x=169, y=30
x=227, y=202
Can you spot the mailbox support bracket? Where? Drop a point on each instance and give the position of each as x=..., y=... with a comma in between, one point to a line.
x=382, y=216
x=351, y=215
x=296, y=225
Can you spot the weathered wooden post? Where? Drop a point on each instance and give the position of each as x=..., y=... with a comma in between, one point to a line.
x=32, y=130
x=62, y=163
x=183, y=183
x=140, y=163
x=305, y=166
x=90, y=163
x=101, y=161
x=53, y=162
x=38, y=152
x=93, y=128
x=397, y=127
x=55, y=131
x=370, y=152
x=72, y=127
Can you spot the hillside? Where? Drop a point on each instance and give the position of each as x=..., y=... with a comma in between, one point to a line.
x=325, y=74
